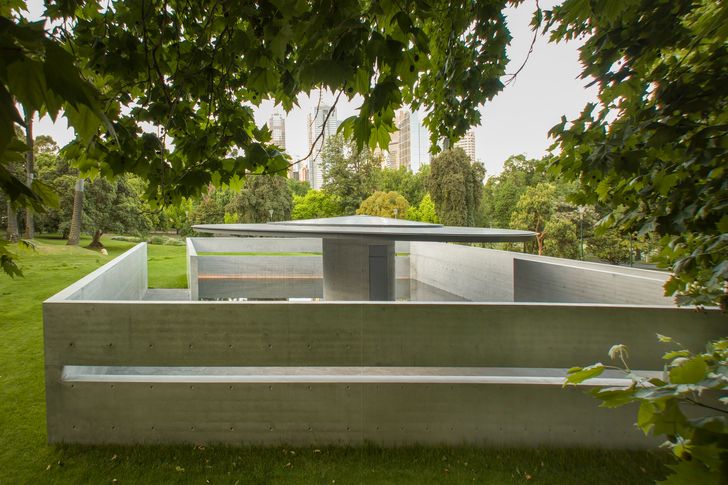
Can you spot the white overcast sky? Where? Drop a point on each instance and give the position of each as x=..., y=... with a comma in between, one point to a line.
x=516, y=121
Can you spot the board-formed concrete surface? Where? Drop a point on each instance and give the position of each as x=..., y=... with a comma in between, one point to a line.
x=263, y=276
x=208, y=335
x=144, y=371
x=567, y=282
x=479, y=274
x=122, y=278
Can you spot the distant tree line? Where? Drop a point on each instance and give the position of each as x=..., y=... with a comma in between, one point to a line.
x=450, y=190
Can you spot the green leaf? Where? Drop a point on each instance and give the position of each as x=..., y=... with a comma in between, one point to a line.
x=8, y=116
x=675, y=354
x=26, y=81
x=577, y=375
x=645, y=416
x=84, y=121
x=691, y=473
x=613, y=397
x=688, y=371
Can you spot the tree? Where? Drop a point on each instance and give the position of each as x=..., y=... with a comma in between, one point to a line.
x=533, y=211
x=263, y=198
x=12, y=227
x=112, y=207
x=652, y=146
x=385, y=204
x=315, y=204
x=210, y=209
x=562, y=240
x=298, y=187
x=29, y=174
x=610, y=246
x=191, y=70
x=654, y=153
x=412, y=186
x=501, y=192
x=424, y=211
x=349, y=173
x=456, y=187
x=74, y=231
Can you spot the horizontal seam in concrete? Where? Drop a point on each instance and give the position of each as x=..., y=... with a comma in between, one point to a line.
x=294, y=375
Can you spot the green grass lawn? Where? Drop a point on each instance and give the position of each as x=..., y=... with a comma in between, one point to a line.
x=26, y=458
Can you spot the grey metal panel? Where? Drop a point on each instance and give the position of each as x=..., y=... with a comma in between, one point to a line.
x=546, y=281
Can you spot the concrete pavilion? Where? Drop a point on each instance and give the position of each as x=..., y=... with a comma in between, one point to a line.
x=358, y=251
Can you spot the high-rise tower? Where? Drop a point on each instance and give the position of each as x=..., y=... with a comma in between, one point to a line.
x=277, y=126
x=467, y=143
x=318, y=124
x=410, y=145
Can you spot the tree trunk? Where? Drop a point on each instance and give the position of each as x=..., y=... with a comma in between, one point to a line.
x=539, y=241
x=13, y=235
x=96, y=241
x=29, y=162
x=74, y=233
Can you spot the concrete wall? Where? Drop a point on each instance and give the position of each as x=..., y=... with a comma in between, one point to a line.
x=186, y=400
x=255, y=245
x=123, y=278
x=267, y=245
x=546, y=281
x=230, y=276
x=489, y=275
x=192, y=270
x=475, y=274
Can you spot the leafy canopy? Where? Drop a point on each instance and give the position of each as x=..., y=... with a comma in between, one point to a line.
x=385, y=204
x=655, y=149
x=178, y=80
x=456, y=187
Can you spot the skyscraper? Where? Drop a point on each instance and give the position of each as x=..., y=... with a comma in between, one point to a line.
x=277, y=126
x=318, y=124
x=393, y=150
x=467, y=143
x=410, y=146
